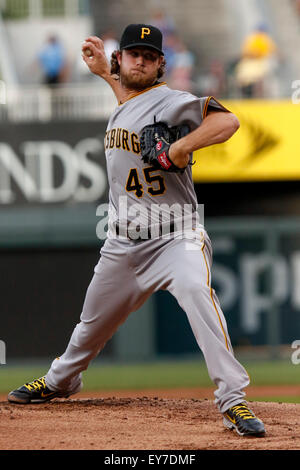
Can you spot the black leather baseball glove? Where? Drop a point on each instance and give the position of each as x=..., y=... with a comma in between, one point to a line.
x=156, y=139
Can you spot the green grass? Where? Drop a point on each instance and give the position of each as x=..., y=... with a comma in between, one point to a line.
x=155, y=375
x=277, y=399
x=119, y=376
x=162, y=374
x=273, y=372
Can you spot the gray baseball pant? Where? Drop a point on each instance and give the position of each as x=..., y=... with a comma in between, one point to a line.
x=128, y=272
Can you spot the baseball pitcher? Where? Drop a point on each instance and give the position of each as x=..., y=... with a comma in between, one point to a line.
x=155, y=239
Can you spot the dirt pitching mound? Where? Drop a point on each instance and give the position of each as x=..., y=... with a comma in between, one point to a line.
x=140, y=423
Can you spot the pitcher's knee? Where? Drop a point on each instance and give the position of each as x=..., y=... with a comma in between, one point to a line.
x=191, y=287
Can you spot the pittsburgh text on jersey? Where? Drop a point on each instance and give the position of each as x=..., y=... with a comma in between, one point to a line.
x=122, y=139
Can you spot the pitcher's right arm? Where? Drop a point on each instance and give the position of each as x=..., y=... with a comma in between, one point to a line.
x=99, y=65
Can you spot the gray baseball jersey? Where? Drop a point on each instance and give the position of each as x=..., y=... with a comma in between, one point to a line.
x=129, y=271
x=129, y=176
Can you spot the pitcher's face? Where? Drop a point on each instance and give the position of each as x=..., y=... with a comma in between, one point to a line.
x=139, y=67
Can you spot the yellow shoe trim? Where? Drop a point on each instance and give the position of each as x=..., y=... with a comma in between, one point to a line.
x=36, y=384
x=242, y=411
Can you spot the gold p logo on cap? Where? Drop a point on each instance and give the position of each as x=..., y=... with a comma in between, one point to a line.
x=145, y=32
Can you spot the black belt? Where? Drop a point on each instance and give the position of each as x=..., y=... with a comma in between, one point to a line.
x=145, y=233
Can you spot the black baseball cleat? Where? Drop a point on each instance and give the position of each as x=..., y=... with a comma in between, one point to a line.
x=37, y=392
x=244, y=421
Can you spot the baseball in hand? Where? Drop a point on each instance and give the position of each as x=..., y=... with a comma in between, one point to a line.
x=88, y=52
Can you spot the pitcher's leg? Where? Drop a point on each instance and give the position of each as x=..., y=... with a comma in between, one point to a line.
x=109, y=300
x=191, y=287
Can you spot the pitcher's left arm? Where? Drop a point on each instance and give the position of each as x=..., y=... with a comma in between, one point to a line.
x=216, y=128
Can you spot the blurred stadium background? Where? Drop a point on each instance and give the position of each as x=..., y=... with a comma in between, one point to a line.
x=53, y=115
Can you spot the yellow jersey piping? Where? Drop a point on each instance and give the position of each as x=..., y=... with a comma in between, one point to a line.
x=206, y=104
x=141, y=92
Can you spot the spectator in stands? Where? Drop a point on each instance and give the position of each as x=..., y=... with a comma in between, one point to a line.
x=169, y=48
x=257, y=63
x=52, y=61
x=259, y=43
x=166, y=25
x=213, y=81
x=182, y=68
x=163, y=22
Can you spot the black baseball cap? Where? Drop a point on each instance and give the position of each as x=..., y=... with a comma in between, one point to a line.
x=141, y=35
